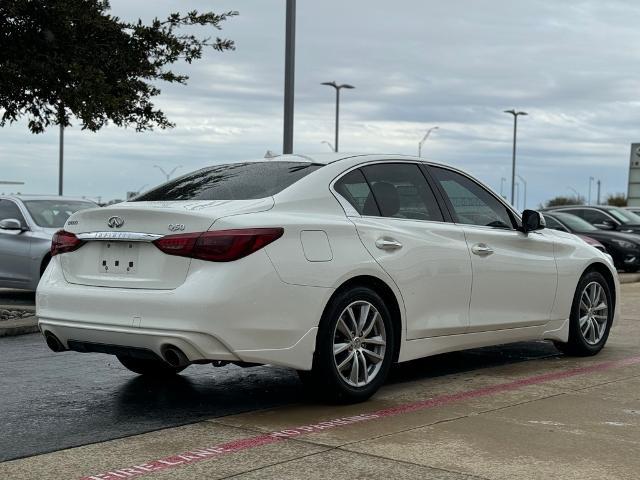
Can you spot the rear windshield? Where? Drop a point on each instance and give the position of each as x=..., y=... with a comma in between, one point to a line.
x=236, y=181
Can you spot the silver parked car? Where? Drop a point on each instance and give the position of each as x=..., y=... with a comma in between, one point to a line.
x=27, y=224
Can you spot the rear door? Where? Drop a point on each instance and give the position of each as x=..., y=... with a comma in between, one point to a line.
x=403, y=228
x=514, y=274
x=15, y=264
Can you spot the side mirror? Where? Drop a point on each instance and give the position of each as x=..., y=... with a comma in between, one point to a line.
x=11, y=224
x=606, y=225
x=532, y=220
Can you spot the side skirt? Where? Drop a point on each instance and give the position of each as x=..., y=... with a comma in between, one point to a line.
x=554, y=330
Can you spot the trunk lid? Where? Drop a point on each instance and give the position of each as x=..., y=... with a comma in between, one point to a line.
x=118, y=251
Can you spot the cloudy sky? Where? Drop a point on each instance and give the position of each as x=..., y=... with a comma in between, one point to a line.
x=573, y=65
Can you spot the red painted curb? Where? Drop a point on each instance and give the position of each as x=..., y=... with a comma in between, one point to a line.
x=200, y=454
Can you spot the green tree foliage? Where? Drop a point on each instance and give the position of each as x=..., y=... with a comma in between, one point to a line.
x=617, y=200
x=63, y=58
x=560, y=200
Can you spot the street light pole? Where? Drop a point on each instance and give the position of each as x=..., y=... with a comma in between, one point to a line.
x=337, y=88
x=598, y=183
x=524, y=196
x=329, y=145
x=515, y=114
x=289, y=76
x=591, y=179
x=502, y=180
x=517, y=204
x=168, y=175
x=424, y=139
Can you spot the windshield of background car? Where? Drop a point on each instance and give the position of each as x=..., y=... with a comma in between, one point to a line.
x=624, y=216
x=575, y=223
x=236, y=181
x=54, y=213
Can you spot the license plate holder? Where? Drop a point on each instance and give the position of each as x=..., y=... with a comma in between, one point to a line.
x=119, y=258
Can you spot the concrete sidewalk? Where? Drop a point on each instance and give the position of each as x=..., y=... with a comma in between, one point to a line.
x=569, y=418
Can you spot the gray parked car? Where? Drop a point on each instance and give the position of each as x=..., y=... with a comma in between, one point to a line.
x=27, y=224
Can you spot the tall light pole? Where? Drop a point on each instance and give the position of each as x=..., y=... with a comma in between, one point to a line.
x=168, y=175
x=502, y=180
x=424, y=139
x=515, y=114
x=598, y=183
x=591, y=179
x=524, y=196
x=337, y=88
x=289, y=76
x=576, y=192
x=517, y=204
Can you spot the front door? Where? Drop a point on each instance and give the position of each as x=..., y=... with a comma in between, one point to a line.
x=402, y=227
x=514, y=274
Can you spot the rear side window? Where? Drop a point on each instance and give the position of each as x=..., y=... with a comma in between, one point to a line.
x=236, y=181
x=355, y=189
x=400, y=190
x=554, y=224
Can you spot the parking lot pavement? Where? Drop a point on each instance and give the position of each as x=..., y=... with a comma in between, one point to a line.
x=522, y=411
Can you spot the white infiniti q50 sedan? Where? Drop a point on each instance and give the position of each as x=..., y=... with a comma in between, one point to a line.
x=335, y=265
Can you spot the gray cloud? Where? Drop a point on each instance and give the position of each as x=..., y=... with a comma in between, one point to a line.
x=574, y=66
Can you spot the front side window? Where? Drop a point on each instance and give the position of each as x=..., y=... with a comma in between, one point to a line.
x=8, y=209
x=400, y=190
x=472, y=204
x=53, y=213
x=236, y=181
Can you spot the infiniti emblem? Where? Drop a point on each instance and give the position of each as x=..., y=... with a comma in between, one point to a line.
x=115, y=222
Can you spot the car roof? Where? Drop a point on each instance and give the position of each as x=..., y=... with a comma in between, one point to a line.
x=326, y=158
x=52, y=198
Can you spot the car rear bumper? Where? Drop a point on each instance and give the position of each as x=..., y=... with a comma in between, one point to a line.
x=234, y=312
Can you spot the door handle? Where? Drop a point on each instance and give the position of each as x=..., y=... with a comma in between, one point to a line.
x=388, y=244
x=481, y=249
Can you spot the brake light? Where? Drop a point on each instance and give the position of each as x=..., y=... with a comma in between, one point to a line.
x=64, y=242
x=218, y=246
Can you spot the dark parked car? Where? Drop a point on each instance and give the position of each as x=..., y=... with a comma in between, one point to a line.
x=604, y=217
x=623, y=247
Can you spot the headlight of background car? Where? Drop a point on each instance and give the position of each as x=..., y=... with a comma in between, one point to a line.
x=624, y=244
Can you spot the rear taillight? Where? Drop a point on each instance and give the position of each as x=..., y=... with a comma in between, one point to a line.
x=218, y=246
x=63, y=242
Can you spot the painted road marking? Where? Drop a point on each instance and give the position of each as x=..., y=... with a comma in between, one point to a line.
x=200, y=454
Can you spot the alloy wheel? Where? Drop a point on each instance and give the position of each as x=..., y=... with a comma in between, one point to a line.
x=594, y=313
x=359, y=343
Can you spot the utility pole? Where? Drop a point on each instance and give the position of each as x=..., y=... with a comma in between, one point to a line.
x=61, y=153
x=598, y=183
x=289, y=76
x=591, y=179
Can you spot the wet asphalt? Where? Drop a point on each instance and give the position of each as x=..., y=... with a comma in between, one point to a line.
x=52, y=401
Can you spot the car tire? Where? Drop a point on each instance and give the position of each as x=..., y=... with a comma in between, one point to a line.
x=354, y=348
x=591, y=317
x=149, y=367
